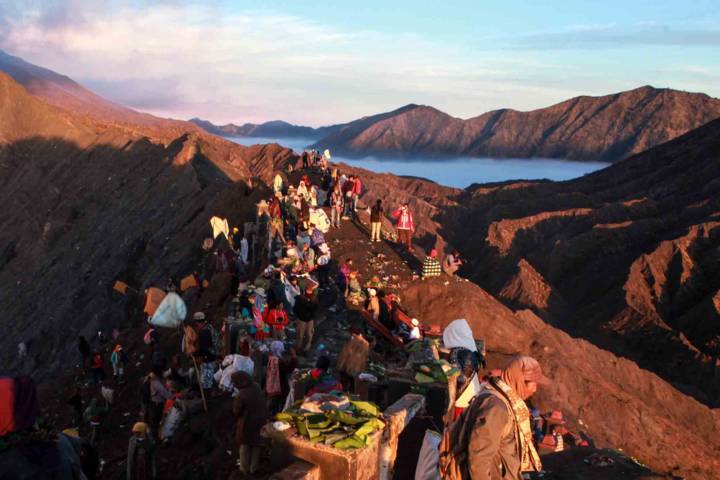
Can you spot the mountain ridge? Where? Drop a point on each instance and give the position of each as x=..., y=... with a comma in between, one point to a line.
x=598, y=128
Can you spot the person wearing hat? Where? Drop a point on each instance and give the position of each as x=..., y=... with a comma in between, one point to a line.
x=431, y=265
x=373, y=304
x=415, y=330
x=305, y=309
x=495, y=431
x=141, y=454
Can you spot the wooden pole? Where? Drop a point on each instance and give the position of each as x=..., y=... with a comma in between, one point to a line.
x=197, y=373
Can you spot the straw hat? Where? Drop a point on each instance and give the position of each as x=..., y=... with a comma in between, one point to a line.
x=556, y=418
x=140, y=427
x=372, y=292
x=415, y=322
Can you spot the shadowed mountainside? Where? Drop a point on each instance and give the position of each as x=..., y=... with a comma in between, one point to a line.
x=628, y=256
x=88, y=203
x=607, y=128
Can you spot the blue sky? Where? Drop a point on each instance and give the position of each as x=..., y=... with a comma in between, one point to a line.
x=320, y=62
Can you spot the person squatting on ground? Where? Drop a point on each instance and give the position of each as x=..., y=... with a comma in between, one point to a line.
x=431, y=266
x=452, y=263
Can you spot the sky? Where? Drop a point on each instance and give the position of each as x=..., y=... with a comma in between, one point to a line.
x=322, y=62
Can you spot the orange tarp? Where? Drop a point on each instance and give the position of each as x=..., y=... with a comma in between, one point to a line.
x=188, y=282
x=120, y=287
x=152, y=300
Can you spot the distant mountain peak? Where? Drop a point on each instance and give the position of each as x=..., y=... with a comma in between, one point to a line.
x=580, y=128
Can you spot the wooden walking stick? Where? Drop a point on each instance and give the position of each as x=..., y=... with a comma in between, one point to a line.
x=197, y=373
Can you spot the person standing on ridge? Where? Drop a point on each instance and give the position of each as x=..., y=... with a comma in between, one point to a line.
x=405, y=225
x=376, y=213
x=356, y=192
x=493, y=439
x=336, y=206
x=141, y=454
x=118, y=361
x=305, y=309
x=250, y=415
x=277, y=319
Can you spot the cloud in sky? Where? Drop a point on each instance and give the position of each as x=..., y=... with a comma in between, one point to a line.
x=182, y=59
x=613, y=35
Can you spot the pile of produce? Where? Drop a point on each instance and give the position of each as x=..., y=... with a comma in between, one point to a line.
x=334, y=420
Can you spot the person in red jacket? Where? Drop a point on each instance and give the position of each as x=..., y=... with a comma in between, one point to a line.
x=96, y=367
x=405, y=225
x=278, y=319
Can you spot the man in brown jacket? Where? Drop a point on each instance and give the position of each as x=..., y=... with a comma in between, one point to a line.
x=251, y=414
x=493, y=437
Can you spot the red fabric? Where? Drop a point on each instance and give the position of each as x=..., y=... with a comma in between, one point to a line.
x=96, y=361
x=7, y=405
x=19, y=406
x=404, y=219
x=357, y=187
x=277, y=319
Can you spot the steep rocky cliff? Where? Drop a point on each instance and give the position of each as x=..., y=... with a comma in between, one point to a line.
x=628, y=256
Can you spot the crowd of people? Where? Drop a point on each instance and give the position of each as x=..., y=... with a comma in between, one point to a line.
x=277, y=266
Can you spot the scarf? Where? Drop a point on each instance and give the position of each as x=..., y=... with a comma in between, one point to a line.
x=530, y=460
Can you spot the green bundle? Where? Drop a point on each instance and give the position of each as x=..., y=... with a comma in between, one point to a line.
x=343, y=429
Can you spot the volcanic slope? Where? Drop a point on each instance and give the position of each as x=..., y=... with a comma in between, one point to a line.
x=63, y=92
x=628, y=257
x=609, y=399
x=87, y=202
x=607, y=128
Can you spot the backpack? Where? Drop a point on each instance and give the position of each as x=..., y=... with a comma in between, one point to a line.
x=453, y=451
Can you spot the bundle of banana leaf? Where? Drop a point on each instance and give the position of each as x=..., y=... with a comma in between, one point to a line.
x=435, y=371
x=346, y=429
